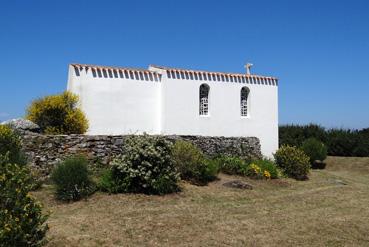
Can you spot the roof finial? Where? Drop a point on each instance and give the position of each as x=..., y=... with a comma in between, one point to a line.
x=247, y=67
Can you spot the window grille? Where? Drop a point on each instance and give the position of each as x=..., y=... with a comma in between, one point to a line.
x=204, y=100
x=244, y=99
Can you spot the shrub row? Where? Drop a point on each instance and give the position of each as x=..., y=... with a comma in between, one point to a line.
x=339, y=142
x=258, y=169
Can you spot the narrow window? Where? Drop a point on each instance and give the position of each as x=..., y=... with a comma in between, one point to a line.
x=121, y=74
x=244, y=99
x=204, y=100
x=93, y=72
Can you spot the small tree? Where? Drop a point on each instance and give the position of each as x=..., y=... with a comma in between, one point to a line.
x=58, y=114
x=315, y=149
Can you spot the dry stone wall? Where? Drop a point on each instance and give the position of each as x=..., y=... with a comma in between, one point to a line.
x=45, y=151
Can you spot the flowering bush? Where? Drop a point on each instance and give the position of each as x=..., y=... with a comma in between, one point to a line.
x=72, y=179
x=10, y=144
x=293, y=161
x=146, y=167
x=58, y=114
x=256, y=171
x=191, y=163
x=268, y=169
x=21, y=220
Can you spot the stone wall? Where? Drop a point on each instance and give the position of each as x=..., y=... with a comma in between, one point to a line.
x=45, y=151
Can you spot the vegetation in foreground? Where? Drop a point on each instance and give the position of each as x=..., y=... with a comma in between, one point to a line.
x=22, y=222
x=329, y=209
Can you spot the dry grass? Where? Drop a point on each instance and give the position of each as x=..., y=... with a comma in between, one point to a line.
x=331, y=209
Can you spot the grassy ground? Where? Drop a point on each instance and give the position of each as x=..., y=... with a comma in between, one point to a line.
x=330, y=209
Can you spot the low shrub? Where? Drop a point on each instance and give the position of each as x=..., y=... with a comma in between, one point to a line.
x=293, y=162
x=146, y=167
x=58, y=114
x=268, y=168
x=10, y=144
x=21, y=220
x=315, y=149
x=72, y=180
x=232, y=165
x=107, y=183
x=191, y=163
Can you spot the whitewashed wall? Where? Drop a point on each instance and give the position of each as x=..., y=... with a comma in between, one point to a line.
x=116, y=105
x=180, y=111
x=125, y=106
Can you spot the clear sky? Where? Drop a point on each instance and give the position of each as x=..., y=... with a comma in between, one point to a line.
x=319, y=49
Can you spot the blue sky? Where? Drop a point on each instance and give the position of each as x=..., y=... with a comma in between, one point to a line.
x=318, y=49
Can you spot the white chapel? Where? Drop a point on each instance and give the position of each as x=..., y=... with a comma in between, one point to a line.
x=172, y=101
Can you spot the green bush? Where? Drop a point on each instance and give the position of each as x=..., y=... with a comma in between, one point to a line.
x=315, y=149
x=58, y=114
x=293, y=161
x=107, y=183
x=72, y=180
x=268, y=168
x=232, y=165
x=10, y=144
x=191, y=163
x=21, y=220
x=146, y=167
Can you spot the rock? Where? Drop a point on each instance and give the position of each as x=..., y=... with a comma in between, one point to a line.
x=238, y=184
x=22, y=125
x=318, y=165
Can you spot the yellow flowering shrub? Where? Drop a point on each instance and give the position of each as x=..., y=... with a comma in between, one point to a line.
x=58, y=114
x=21, y=220
x=10, y=144
x=293, y=161
x=262, y=169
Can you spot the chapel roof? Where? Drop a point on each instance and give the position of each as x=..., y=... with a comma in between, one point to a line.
x=211, y=72
x=110, y=67
x=153, y=71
